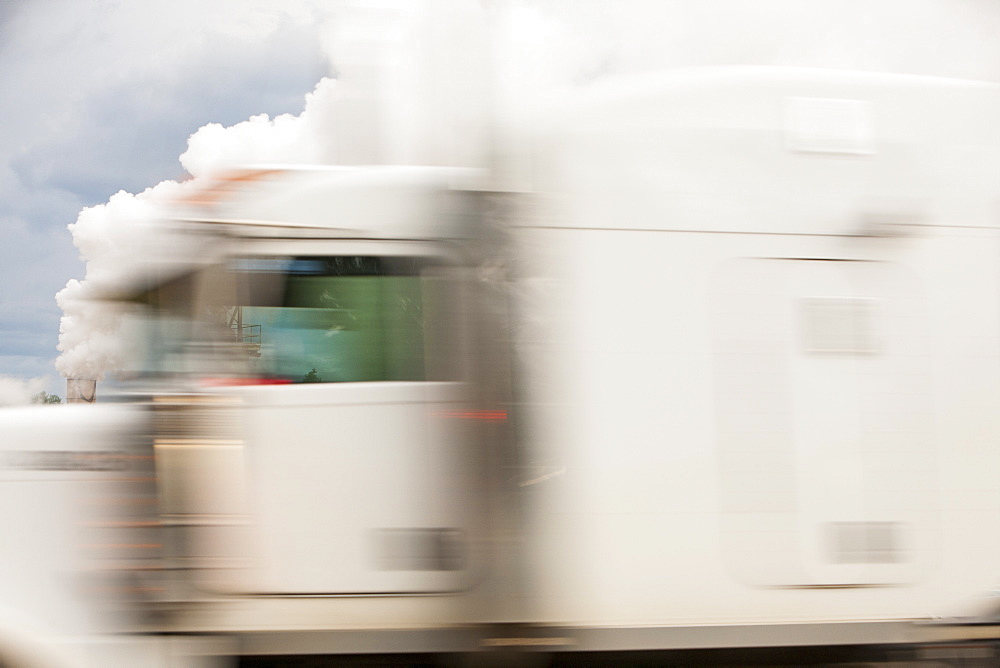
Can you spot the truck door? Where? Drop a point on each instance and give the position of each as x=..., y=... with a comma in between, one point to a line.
x=355, y=422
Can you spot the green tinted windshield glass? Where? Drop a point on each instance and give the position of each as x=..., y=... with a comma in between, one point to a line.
x=341, y=319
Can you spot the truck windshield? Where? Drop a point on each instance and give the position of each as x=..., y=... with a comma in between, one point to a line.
x=330, y=319
x=278, y=320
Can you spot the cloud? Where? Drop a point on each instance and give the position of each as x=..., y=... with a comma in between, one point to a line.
x=18, y=392
x=36, y=262
x=143, y=107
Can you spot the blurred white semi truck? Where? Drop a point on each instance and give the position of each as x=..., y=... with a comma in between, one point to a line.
x=704, y=363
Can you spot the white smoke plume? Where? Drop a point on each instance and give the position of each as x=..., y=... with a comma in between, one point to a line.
x=18, y=392
x=113, y=239
x=302, y=139
x=117, y=238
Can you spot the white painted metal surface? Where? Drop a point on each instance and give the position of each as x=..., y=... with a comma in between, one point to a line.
x=763, y=403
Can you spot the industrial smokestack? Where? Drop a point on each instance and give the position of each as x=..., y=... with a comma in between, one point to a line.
x=81, y=391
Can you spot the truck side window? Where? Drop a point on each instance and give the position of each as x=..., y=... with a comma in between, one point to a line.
x=332, y=319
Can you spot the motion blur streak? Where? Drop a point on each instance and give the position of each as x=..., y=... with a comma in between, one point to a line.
x=473, y=415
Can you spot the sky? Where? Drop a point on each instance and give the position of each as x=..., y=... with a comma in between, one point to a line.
x=102, y=96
